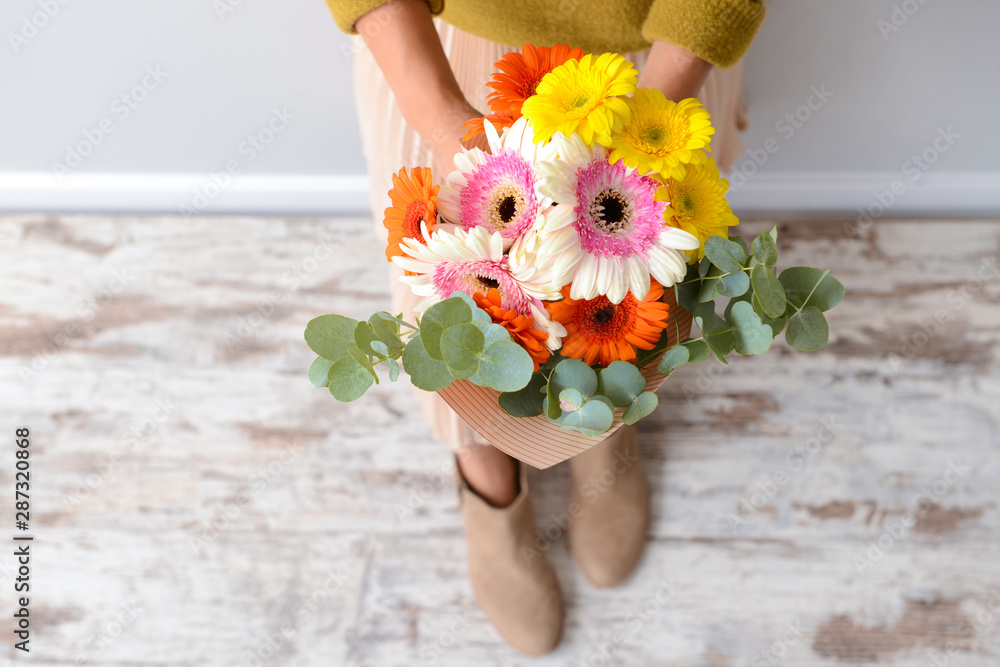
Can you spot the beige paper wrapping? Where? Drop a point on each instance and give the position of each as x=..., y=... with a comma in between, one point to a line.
x=536, y=440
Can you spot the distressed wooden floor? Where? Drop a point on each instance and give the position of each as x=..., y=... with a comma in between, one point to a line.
x=196, y=502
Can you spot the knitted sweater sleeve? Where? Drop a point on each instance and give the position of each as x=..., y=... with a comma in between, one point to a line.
x=347, y=12
x=719, y=31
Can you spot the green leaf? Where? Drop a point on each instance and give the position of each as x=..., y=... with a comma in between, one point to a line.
x=365, y=338
x=643, y=406
x=733, y=284
x=363, y=361
x=437, y=319
x=319, y=370
x=574, y=373
x=697, y=349
x=425, y=373
x=594, y=417
x=525, y=402
x=349, y=380
x=568, y=373
x=765, y=249
x=331, y=336
x=742, y=243
x=674, y=357
x=621, y=382
x=686, y=292
x=716, y=331
x=386, y=327
x=807, y=330
x=393, y=367
x=752, y=335
x=768, y=290
x=505, y=366
x=805, y=287
x=725, y=254
x=709, y=288
x=461, y=345
x=571, y=399
x=704, y=266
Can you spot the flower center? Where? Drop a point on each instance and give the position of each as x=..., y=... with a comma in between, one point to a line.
x=505, y=207
x=603, y=316
x=578, y=102
x=484, y=283
x=602, y=320
x=610, y=211
x=654, y=136
x=412, y=217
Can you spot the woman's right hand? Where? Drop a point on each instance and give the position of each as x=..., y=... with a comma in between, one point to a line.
x=444, y=134
x=406, y=46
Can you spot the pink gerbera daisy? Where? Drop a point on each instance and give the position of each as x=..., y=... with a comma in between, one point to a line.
x=497, y=190
x=473, y=261
x=607, y=233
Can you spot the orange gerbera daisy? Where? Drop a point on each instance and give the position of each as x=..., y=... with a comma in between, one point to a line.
x=519, y=326
x=600, y=331
x=520, y=73
x=414, y=200
x=475, y=126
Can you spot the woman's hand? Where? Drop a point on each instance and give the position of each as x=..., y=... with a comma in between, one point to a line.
x=444, y=136
x=674, y=70
x=407, y=48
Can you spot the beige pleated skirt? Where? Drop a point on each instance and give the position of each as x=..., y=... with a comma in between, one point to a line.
x=389, y=144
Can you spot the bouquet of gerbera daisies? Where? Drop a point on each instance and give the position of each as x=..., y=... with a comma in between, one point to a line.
x=561, y=269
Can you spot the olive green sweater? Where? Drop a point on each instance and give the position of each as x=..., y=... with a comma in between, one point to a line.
x=720, y=31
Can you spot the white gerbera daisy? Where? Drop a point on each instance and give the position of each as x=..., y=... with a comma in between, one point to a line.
x=473, y=261
x=498, y=190
x=607, y=232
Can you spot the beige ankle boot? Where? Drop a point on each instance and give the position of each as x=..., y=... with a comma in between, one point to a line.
x=609, y=506
x=513, y=581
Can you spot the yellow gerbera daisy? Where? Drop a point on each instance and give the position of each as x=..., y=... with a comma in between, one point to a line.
x=697, y=203
x=662, y=135
x=583, y=96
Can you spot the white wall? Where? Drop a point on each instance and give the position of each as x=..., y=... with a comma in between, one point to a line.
x=228, y=64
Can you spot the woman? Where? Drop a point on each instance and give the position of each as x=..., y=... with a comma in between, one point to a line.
x=417, y=80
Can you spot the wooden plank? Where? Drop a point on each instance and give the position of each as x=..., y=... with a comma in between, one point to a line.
x=809, y=509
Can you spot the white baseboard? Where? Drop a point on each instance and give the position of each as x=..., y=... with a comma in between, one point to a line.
x=817, y=193
x=849, y=193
